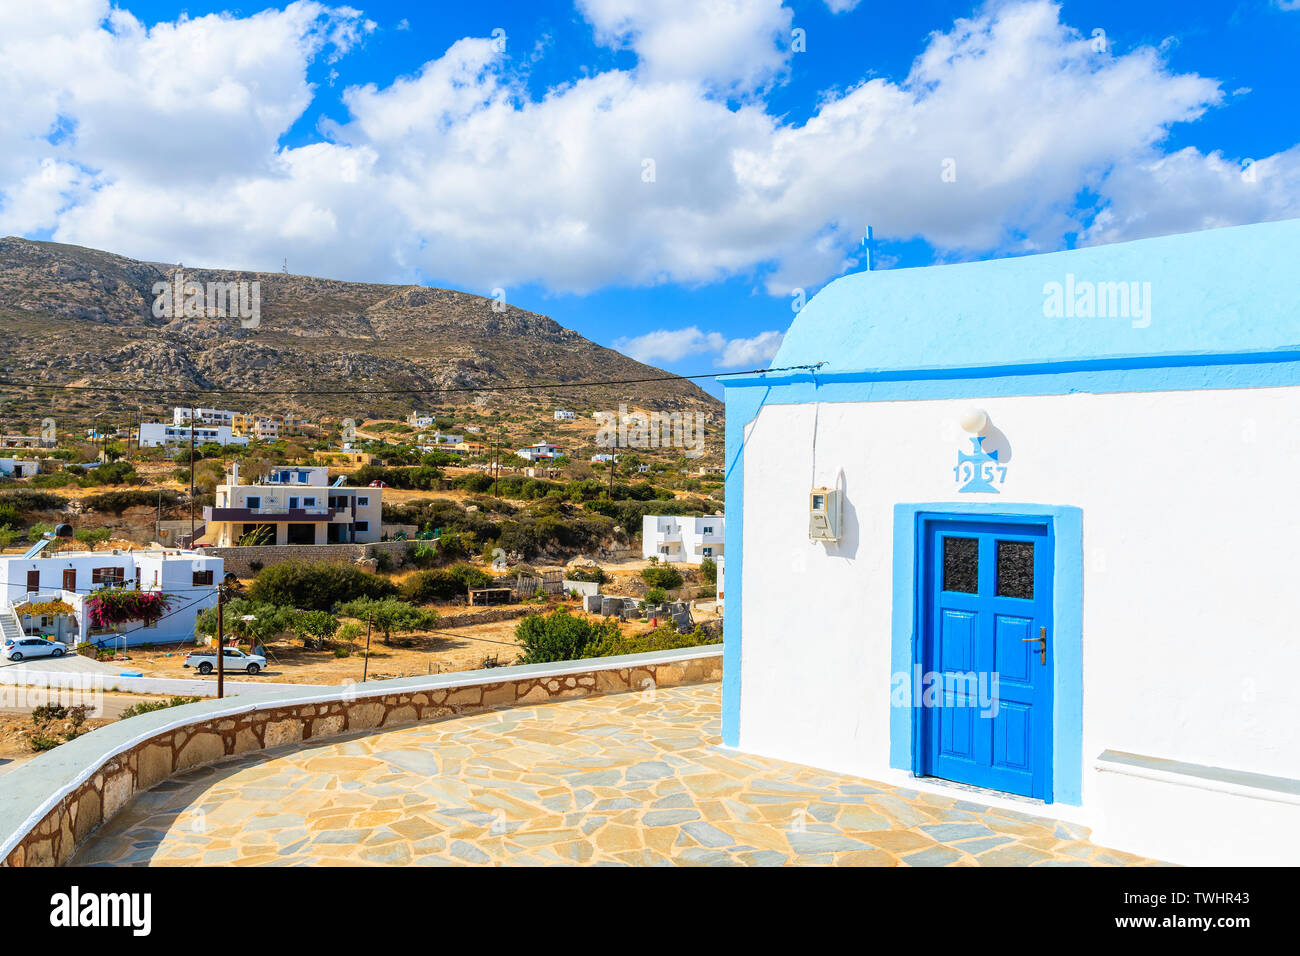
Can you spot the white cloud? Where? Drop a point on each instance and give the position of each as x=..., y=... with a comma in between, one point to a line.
x=673, y=345
x=664, y=345
x=456, y=172
x=842, y=6
x=728, y=44
x=756, y=352
x=1187, y=190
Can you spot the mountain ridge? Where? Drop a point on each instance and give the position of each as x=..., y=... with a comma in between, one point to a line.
x=76, y=314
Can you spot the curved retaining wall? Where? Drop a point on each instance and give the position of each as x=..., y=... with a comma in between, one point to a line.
x=52, y=803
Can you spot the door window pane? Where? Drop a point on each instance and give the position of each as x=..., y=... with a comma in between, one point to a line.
x=961, y=564
x=1016, y=569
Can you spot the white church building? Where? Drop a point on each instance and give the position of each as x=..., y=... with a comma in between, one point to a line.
x=1039, y=514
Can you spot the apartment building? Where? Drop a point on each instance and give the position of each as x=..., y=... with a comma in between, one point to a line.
x=205, y=416
x=293, y=506
x=163, y=435
x=677, y=539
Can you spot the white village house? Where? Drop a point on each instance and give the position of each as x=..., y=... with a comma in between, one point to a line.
x=163, y=435
x=675, y=539
x=43, y=576
x=1038, y=515
x=542, y=451
x=293, y=505
x=19, y=467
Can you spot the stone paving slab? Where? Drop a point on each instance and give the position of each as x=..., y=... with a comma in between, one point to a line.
x=626, y=779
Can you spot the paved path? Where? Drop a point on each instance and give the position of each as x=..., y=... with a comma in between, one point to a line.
x=68, y=663
x=625, y=779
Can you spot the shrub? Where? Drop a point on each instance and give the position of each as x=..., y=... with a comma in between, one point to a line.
x=589, y=573
x=560, y=636
x=119, y=501
x=663, y=638
x=437, y=584
x=709, y=570
x=92, y=536
x=317, y=587
x=656, y=596
x=443, y=584
x=149, y=706
x=23, y=502
x=662, y=576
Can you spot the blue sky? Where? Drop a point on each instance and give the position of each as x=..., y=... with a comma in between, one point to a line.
x=504, y=146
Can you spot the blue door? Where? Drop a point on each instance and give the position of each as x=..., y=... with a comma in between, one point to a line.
x=985, y=714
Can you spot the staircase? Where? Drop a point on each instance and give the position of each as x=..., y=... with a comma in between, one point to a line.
x=9, y=629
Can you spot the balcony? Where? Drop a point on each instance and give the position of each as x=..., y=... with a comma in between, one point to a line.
x=274, y=513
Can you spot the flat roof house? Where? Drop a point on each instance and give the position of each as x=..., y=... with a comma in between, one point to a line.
x=542, y=451
x=1037, y=513
x=293, y=505
x=163, y=435
x=677, y=539
x=46, y=593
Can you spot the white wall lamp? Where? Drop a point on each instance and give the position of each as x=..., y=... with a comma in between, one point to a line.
x=974, y=420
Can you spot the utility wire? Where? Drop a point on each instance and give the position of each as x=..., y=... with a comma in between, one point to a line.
x=505, y=387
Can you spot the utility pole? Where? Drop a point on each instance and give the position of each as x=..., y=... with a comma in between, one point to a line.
x=221, y=641
x=613, y=465
x=192, y=480
x=496, y=461
x=365, y=664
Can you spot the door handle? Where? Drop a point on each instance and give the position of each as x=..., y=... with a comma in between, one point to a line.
x=1042, y=644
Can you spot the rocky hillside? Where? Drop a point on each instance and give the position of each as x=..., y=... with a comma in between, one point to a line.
x=70, y=314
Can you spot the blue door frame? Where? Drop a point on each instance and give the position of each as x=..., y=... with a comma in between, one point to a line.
x=984, y=587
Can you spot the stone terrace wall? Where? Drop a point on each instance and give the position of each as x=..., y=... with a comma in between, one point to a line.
x=489, y=616
x=53, y=802
x=240, y=559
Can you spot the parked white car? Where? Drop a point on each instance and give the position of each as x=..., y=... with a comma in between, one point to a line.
x=236, y=660
x=17, y=649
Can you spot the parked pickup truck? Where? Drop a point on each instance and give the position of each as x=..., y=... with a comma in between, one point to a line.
x=236, y=660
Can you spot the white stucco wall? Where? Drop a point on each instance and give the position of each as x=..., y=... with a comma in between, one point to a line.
x=1190, y=530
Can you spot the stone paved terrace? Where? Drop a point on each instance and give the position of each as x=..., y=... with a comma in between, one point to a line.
x=633, y=778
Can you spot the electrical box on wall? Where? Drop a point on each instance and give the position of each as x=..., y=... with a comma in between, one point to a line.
x=824, y=514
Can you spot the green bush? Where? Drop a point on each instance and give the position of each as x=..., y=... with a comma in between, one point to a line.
x=560, y=636
x=709, y=570
x=656, y=596
x=317, y=587
x=24, y=502
x=149, y=706
x=437, y=584
x=663, y=638
x=662, y=576
x=443, y=584
x=119, y=501
x=596, y=574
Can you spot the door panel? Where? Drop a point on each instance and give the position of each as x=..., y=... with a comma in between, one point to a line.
x=986, y=599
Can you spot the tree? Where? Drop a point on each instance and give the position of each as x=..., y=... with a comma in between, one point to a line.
x=390, y=615
x=91, y=537
x=560, y=636
x=320, y=625
x=662, y=576
x=317, y=587
x=709, y=570
x=269, y=620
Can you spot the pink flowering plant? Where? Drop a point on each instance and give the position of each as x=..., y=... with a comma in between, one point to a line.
x=110, y=606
